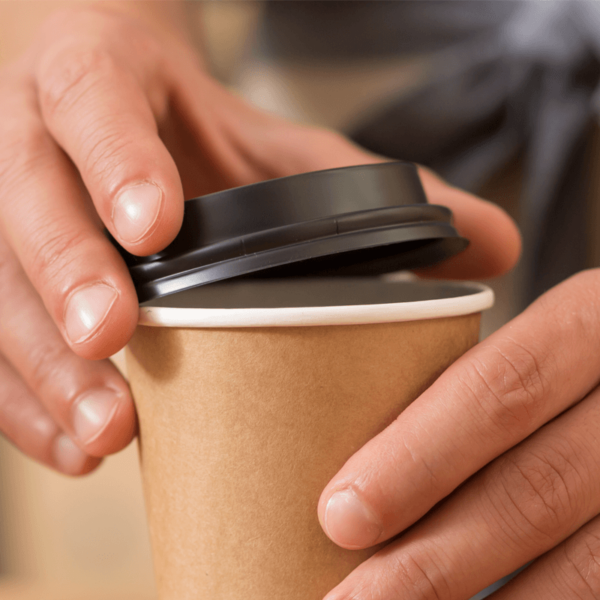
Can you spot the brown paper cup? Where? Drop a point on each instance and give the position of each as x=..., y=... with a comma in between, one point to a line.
x=247, y=412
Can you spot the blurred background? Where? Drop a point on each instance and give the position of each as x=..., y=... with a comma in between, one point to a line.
x=86, y=539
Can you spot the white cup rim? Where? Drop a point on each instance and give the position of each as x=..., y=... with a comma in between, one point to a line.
x=480, y=298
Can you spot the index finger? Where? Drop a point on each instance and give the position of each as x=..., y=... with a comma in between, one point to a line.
x=80, y=276
x=492, y=398
x=98, y=103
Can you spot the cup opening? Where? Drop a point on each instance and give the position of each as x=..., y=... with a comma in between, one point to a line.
x=308, y=302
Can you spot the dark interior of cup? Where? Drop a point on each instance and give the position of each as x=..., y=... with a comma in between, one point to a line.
x=313, y=292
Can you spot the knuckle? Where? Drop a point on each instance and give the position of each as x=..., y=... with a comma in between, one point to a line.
x=70, y=75
x=106, y=152
x=24, y=148
x=582, y=558
x=406, y=441
x=114, y=28
x=21, y=416
x=6, y=269
x=45, y=365
x=9, y=268
x=573, y=310
x=536, y=496
x=583, y=318
x=52, y=254
x=508, y=387
x=417, y=577
x=587, y=279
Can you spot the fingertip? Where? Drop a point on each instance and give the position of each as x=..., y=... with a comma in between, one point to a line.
x=100, y=317
x=105, y=421
x=494, y=243
x=69, y=459
x=145, y=218
x=484, y=220
x=349, y=521
x=499, y=227
x=495, y=240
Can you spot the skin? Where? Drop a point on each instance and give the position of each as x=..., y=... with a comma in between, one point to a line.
x=496, y=464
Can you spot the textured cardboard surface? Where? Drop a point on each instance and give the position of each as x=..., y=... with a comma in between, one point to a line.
x=241, y=429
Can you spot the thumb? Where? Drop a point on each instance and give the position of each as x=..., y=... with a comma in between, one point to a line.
x=495, y=239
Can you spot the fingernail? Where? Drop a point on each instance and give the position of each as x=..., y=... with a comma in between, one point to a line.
x=93, y=412
x=44, y=428
x=86, y=310
x=135, y=211
x=67, y=456
x=349, y=522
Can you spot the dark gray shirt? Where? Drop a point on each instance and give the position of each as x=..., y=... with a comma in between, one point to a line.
x=510, y=78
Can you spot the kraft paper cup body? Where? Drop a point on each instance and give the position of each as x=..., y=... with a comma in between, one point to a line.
x=247, y=413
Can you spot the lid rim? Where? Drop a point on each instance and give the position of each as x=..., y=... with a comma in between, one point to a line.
x=245, y=264
x=228, y=247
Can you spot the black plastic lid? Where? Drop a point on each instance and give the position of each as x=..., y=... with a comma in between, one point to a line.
x=364, y=220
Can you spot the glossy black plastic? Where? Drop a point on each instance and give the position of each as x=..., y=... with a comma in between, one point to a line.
x=363, y=220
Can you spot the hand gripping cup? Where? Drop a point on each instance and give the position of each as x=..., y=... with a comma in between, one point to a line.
x=251, y=395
